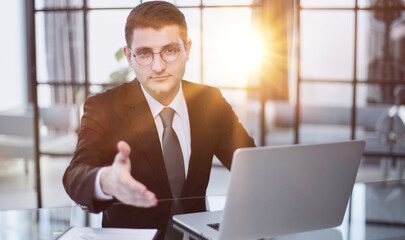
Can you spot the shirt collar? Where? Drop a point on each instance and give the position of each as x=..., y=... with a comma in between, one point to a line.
x=178, y=103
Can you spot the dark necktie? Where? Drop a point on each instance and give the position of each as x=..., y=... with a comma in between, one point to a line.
x=172, y=153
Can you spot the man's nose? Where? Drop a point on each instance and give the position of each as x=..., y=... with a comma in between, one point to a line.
x=158, y=64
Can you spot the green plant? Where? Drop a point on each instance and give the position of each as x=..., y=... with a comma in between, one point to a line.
x=121, y=74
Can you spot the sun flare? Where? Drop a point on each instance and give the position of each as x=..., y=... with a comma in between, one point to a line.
x=245, y=50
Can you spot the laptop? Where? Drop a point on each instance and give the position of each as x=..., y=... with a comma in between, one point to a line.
x=279, y=190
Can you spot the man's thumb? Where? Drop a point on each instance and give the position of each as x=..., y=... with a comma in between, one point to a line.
x=123, y=150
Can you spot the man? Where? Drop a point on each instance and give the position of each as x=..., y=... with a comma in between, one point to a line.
x=124, y=153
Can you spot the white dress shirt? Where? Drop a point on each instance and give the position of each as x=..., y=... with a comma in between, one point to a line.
x=181, y=126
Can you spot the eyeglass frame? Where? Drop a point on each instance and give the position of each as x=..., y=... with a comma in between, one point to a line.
x=178, y=49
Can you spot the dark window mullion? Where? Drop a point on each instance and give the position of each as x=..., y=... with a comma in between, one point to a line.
x=202, y=44
x=297, y=106
x=33, y=87
x=354, y=106
x=85, y=48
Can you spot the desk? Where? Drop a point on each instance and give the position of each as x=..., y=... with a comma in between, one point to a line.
x=377, y=211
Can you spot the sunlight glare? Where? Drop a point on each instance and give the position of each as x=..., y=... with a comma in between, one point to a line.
x=244, y=50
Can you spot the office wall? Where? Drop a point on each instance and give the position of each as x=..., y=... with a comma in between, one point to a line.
x=12, y=55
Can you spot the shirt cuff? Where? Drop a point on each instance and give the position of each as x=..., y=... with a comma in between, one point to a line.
x=98, y=193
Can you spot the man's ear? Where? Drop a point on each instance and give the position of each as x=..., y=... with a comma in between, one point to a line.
x=187, y=47
x=128, y=54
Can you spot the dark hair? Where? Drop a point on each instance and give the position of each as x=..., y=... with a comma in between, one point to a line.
x=155, y=14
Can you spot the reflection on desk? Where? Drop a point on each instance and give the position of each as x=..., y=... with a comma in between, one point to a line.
x=376, y=211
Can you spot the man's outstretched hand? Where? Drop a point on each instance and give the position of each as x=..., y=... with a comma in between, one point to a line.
x=116, y=180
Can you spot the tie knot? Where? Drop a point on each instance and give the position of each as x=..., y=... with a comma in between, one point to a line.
x=167, y=116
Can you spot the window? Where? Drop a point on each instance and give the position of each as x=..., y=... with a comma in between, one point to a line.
x=351, y=73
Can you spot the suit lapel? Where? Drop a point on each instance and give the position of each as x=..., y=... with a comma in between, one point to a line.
x=196, y=112
x=143, y=125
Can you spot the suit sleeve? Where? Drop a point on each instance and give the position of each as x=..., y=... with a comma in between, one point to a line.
x=94, y=150
x=233, y=135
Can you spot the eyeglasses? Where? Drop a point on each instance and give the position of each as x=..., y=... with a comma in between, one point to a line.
x=145, y=57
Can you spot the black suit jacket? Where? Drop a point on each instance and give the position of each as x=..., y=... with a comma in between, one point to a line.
x=122, y=113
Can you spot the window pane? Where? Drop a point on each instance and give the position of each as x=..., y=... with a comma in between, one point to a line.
x=228, y=45
x=59, y=120
x=380, y=4
x=112, y=4
x=181, y=2
x=187, y=2
x=59, y=47
x=41, y=4
x=364, y=40
x=327, y=3
x=72, y=95
x=325, y=113
x=193, y=19
x=95, y=89
x=106, y=38
x=170, y=1
x=54, y=195
x=379, y=124
x=368, y=111
x=381, y=52
x=280, y=120
x=326, y=94
x=13, y=56
x=320, y=133
x=227, y=2
x=246, y=105
x=327, y=42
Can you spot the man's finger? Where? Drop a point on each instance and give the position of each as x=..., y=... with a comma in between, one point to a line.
x=147, y=199
x=138, y=195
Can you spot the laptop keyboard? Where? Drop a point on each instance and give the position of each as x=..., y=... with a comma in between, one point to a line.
x=214, y=226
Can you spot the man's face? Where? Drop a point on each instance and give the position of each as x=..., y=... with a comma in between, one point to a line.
x=161, y=79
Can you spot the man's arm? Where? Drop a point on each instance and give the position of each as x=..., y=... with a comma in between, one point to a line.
x=95, y=149
x=233, y=135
